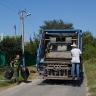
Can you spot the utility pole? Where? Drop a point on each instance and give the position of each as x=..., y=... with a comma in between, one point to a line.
x=22, y=20
x=15, y=29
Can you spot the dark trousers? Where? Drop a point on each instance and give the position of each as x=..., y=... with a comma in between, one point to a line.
x=16, y=74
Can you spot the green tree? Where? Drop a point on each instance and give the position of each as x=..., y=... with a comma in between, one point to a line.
x=90, y=46
x=11, y=46
x=32, y=46
x=89, y=53
x=88, y=38
x=56, y=24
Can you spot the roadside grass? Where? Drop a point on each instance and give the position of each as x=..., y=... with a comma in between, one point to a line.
x=2, y=80
x=90, y=69
x=4, y=83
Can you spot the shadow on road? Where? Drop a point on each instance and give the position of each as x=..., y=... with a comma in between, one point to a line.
x=63, y=82
x=25, y=81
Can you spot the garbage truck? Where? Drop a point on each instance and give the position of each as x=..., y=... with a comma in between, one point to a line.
x=54, y=53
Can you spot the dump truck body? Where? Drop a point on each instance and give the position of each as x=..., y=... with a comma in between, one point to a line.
x=54, y=53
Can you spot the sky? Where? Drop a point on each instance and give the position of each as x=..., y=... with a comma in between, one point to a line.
x=82, y=13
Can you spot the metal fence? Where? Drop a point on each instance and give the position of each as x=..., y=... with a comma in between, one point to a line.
x=3, y=61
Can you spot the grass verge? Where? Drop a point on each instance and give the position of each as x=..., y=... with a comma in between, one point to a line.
x=90, y=69
x=5, y=83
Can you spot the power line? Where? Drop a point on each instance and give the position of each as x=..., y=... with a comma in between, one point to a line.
x=18, y=4
x=8, y=7
x=12, y=3
x=30, y=22
x=34, y=21
x=15, y=3
x=26, y=11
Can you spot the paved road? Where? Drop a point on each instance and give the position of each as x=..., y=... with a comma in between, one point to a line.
x=41, y=87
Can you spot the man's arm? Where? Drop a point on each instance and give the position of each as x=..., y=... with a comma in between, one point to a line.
x=80, y=53
x=10, y=64
x=20, y=63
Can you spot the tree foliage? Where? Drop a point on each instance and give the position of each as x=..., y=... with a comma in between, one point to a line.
x=88, y=38
x=90, y=45
x=56, y=24
x=90, y=52
x=10, y=47
x=32, y=46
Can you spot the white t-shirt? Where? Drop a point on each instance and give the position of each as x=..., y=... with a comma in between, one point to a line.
x=75, y=55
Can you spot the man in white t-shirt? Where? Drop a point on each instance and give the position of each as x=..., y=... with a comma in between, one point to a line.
x=75, y=53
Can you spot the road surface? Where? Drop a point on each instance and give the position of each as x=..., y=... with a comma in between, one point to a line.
x=42, y=87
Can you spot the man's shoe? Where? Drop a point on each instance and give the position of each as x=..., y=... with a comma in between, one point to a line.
x=78, y=78
x=17, y=83
x=73, y=78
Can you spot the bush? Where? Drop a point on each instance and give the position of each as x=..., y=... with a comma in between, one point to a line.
x=90, y=46
x=89, y=53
